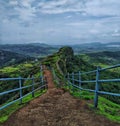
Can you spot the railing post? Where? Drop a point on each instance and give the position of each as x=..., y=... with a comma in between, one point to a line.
x=68, y=77
x=79, y=74
x=73, y=78
x=41, y=70
x=96, y=88
x=33, y=82
x=20, y=87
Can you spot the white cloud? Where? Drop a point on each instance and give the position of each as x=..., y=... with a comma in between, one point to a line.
x=75, y=24
x=60, y=20
x=69, y=16
x=60, y=6
x=13, y=2
x=103, y=7
x=94, y=31
x=26, y=3
x=116, y=34
x=26, y=14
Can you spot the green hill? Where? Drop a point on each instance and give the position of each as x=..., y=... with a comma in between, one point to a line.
x=32, y=50
x=64, y=61
x=9, y=58
x=25, y=70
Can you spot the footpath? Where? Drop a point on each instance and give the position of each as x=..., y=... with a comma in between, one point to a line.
x=56, y=108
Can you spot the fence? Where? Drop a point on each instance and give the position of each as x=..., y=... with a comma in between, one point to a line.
x=36, y=84
x=72, y=81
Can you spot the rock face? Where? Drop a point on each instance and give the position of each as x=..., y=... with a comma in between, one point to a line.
x=66, y=52
x=66, y=56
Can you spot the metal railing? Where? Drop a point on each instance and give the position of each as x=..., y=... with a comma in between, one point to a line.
x=71, y=77
x=34, y=84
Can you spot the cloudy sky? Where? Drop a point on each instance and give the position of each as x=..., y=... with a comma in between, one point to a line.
x=59, y=21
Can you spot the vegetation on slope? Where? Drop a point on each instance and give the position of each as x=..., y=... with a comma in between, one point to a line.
x=24, y=70
x=32, y=50
x=65, y=61
x=8, y=58
x=105, y=107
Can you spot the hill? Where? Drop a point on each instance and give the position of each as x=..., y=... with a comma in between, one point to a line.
x=65, y=61
x=9, y=58
x=96, y=47
x=105, y=57
x=32, y=50
x=60, y=64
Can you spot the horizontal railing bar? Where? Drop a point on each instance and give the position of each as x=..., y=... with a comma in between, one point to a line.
x=77, y=86
x=36, y=84
x=40, y=87
x=17, y=89
x=26, y=78
x=111, y=67
x=83, y=72
x=100, y=92
x=10, y=91
x=31, y=78
x=90, y=81
x=5, y=79
x=109, y=80
x=8, y=79
x=88, y=72
x=108, y=93
x=83, y=88
x=101, y=69
x=76, y=80
x=93, y=81
x=88, y=90
x=26, y=86
x=8, y=104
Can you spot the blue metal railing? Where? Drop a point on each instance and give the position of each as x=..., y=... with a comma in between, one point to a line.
x=35, y=84
x=72, y=81
x=34, y=87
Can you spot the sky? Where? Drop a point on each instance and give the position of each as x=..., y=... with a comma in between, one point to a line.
x=59, y=21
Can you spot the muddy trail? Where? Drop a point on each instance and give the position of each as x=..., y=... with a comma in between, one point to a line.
x=56, y=108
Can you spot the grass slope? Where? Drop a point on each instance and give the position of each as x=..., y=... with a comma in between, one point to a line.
x=105, y=107
x=61, y=61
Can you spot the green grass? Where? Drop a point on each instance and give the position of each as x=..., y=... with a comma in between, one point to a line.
x=9, y=69
x=109, y=109
x=105, y=107
x=5, y=113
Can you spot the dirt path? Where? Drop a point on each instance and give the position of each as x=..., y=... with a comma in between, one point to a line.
x=56, y=108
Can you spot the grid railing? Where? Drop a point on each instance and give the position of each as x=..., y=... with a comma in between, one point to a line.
x=23, y=89
x=76, y=80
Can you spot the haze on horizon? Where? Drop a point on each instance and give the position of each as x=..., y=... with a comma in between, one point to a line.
x=59, y=21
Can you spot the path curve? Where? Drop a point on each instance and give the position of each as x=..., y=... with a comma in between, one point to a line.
x=56, y=108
